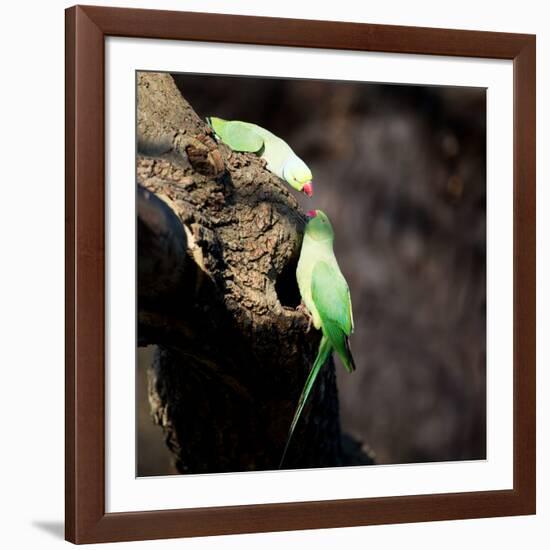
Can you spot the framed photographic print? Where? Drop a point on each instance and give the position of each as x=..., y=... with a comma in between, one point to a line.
x=300, y=274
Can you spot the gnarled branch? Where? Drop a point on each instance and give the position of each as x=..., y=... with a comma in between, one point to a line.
x=218, y=240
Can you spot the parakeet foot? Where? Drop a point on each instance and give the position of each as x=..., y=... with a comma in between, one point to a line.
x=303, y=308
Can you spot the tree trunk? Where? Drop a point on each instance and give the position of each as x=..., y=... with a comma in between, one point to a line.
x=218, y=242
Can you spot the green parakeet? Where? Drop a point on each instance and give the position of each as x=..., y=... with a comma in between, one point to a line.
x=326, y=295
x=281, y=159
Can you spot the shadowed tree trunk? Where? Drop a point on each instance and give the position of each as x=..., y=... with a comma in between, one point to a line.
x=218, y=242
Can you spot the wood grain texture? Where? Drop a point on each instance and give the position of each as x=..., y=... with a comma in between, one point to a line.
x=273, y=31
x=525, y=274
x=86, y=28
x=70, y=432
x=85, y=438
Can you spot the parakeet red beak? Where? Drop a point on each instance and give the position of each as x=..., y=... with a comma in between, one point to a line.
x=311, y=213
x=308, y=189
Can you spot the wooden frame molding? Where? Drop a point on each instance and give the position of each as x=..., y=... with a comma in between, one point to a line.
x=86, y=30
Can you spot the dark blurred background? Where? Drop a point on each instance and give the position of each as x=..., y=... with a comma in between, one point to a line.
x=400, y=170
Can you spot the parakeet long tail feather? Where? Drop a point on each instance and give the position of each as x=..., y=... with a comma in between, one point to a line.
x=323, y=354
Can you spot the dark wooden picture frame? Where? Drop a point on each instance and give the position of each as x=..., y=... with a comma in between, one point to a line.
x=86, y=30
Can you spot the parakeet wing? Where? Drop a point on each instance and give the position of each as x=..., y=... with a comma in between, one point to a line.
x=330, y=294
x=331, y=297
x=241, y=136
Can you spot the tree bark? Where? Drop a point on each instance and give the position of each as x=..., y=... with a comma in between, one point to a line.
x=218, y=242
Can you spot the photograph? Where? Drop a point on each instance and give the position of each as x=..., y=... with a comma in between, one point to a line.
x=311, y=273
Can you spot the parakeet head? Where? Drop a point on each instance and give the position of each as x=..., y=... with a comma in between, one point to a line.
x=318, y=226
x=297, y=174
